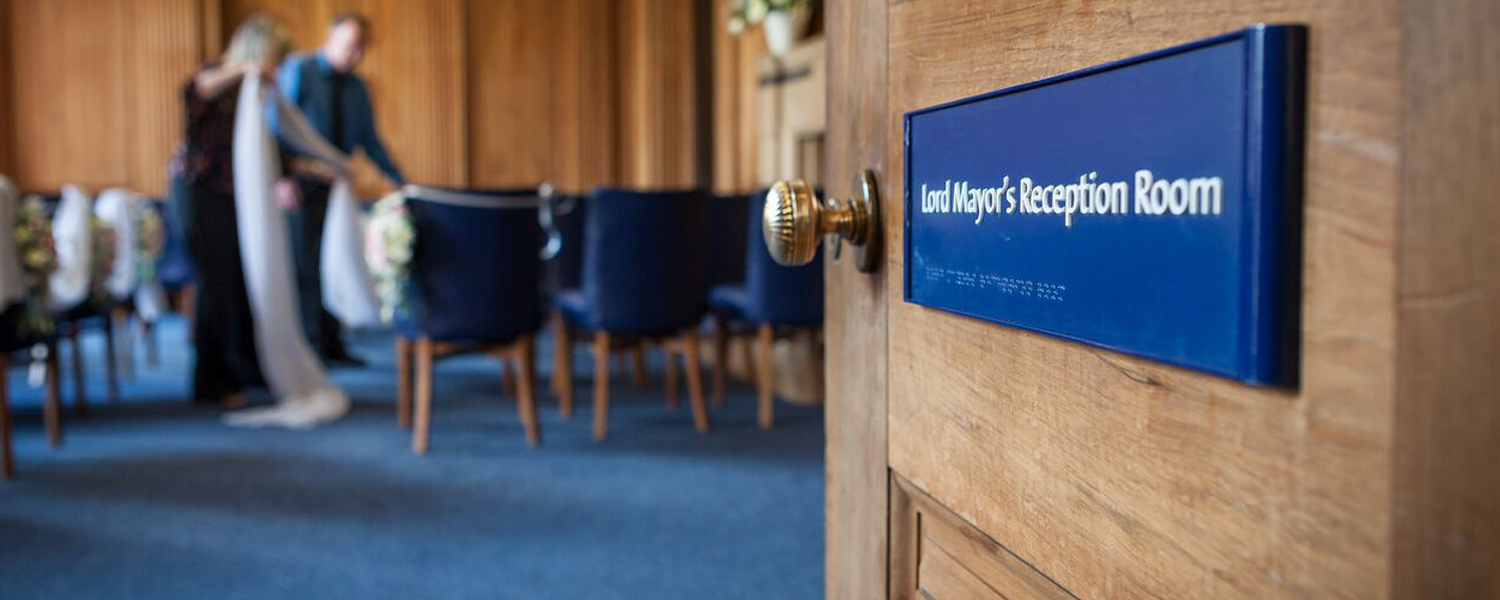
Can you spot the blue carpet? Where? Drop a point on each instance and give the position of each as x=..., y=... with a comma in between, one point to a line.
x=153, y=498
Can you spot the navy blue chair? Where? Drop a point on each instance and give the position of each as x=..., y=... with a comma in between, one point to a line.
x=644, y=280
x=92, y=313
x=13, y=343
x=728, y=244
x=475, y=287
x=773, y=299
x=175, y=271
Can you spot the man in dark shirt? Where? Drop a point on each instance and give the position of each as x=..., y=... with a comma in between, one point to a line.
x=337, y=104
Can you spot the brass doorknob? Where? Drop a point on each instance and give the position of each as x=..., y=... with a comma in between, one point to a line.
x=795, y=218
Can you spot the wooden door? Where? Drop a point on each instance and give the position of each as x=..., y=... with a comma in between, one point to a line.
x=1076, y=472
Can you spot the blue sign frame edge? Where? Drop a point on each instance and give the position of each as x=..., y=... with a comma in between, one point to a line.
x=1277, y=72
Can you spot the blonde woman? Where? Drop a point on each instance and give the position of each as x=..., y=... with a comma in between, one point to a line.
x=226, y=361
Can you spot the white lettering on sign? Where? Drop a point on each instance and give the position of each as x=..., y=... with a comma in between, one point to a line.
x=1149, y=196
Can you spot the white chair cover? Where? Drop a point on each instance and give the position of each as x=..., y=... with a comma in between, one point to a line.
x=68, y=286
x=305, y=396
x=12, y=286
x=120, y=208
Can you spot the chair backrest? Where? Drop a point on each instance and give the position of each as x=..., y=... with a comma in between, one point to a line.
x=727, y=250
x=564, y=271
x=645, y=259
x=776, y=293
x=476, y=271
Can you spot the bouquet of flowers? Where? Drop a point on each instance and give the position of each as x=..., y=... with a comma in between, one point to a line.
x=103, y=263
x=38, y=254
x=150, y=238
x=389, y=238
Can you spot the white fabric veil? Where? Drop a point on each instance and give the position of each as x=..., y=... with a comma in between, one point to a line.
x=305, y=396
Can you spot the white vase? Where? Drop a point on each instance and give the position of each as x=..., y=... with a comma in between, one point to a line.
x=784, y=27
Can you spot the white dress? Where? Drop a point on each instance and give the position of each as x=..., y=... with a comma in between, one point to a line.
x=305, y=397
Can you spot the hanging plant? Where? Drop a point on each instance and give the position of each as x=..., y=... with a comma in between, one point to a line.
x=784, y=21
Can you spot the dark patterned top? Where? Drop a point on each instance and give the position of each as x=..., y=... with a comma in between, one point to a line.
x=206, y=158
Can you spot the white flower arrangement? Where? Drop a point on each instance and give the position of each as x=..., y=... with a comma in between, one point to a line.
x=389, y=238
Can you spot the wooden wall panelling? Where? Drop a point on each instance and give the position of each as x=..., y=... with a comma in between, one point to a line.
x=164, y=49
x=584, y=128
x=701, y=23
x=1125, y=478
x=418, y=83
x=736, y=84
x=658, y=95
x=752, y=48
x=638, y=115
x=414, y=69
x=1447, y=505
x=564, y=77
x=7, y=130
x=726, y=108
x=101, y=106
x=68, y=70
x=211, y=27
x=600, y=112
x=511, y=92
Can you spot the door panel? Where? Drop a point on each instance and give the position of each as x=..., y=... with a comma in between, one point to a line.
x=937, y=555
x=855, y=326
x=1123, y=478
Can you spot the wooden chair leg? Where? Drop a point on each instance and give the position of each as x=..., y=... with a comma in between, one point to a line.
x=694, y=381
x=721, y=359
x=747, y=353
x=601, y=385
x=508, y=383
x=638, y=366
x=403, y=382
x=562, y=365
x=526, y=397
x=111, y=366
x=7, y=461
x=668, y=348
x=763, y=345
x=80, y=392
x=423, y=419
x=52, y=408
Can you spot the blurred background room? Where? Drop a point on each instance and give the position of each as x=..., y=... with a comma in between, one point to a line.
x=570, y=193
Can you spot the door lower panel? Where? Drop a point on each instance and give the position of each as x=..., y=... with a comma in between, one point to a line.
x=936, y=555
